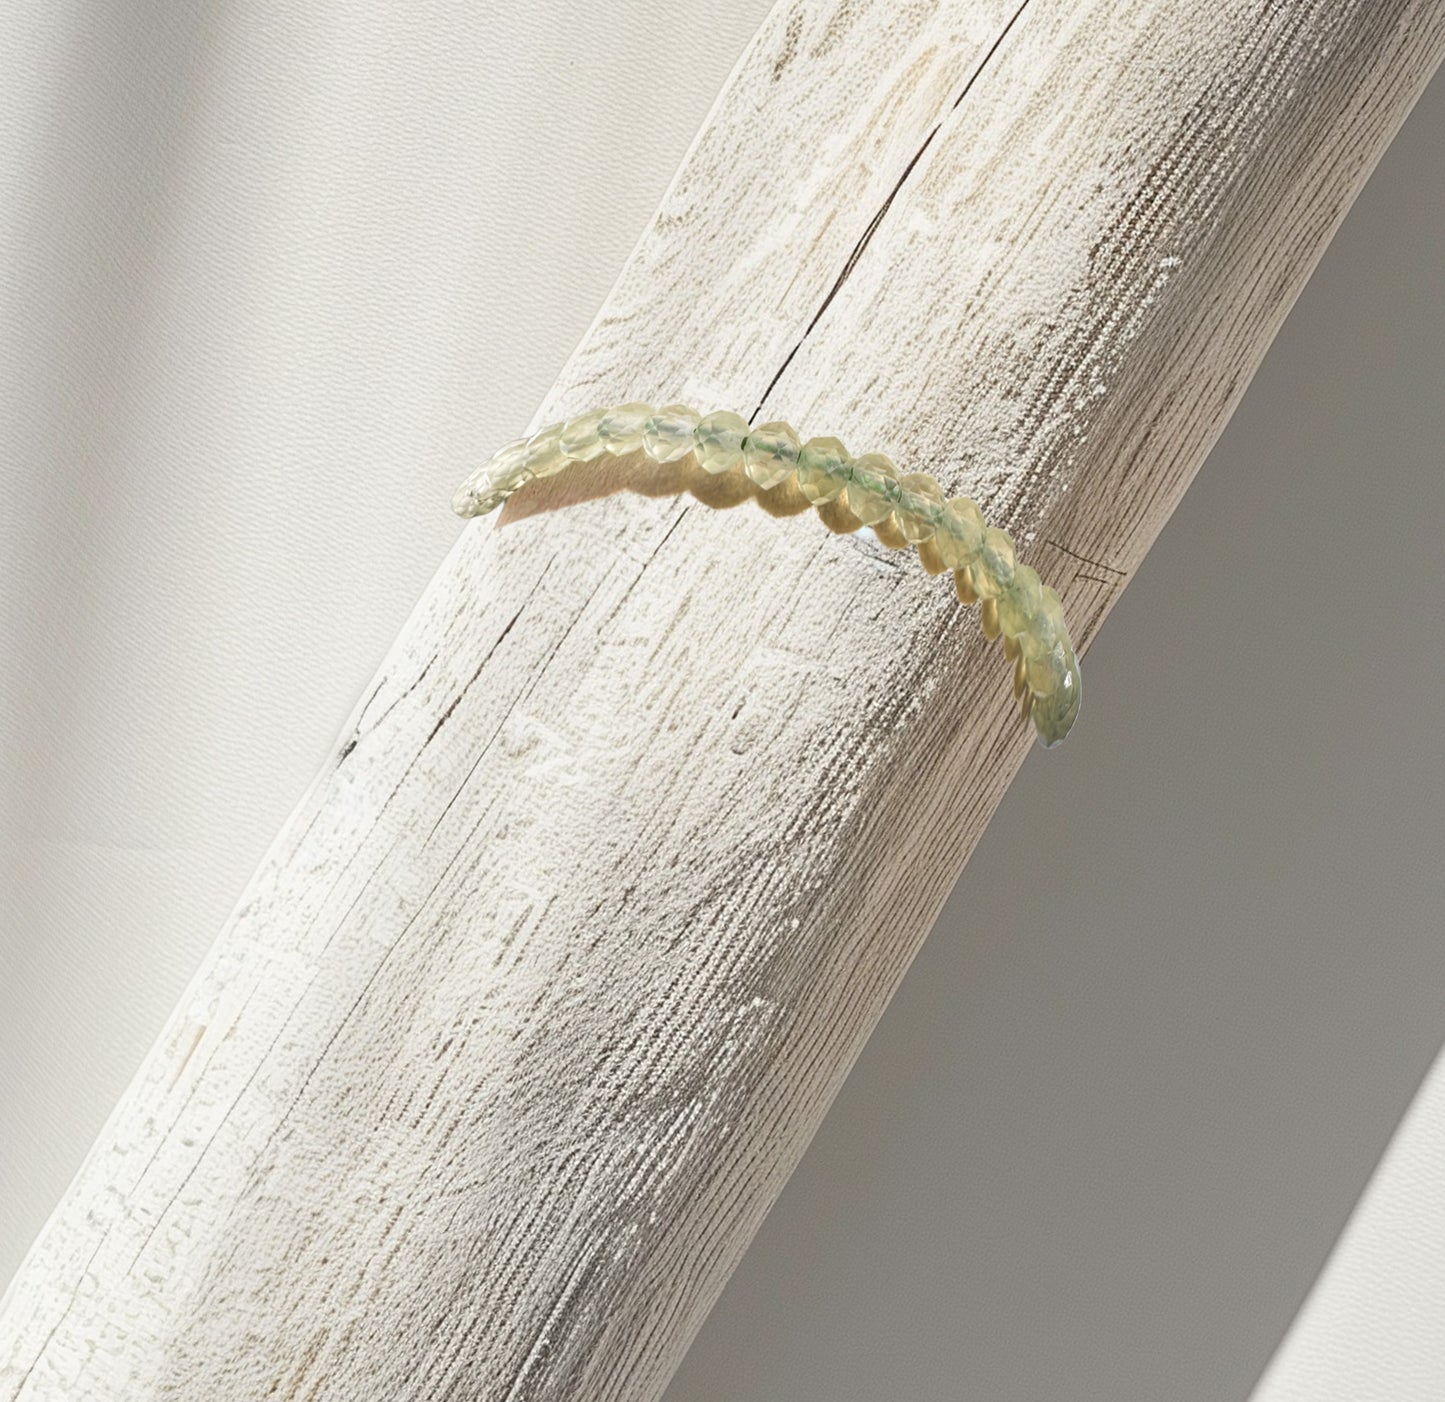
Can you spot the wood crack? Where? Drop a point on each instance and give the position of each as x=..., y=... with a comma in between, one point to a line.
x=881, y=212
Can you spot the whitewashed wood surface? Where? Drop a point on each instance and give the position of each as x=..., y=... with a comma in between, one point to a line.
x=538, y=998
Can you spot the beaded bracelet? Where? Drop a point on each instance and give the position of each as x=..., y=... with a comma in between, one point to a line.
x=864, y=491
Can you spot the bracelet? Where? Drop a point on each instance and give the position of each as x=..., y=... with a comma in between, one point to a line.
x=864, y=491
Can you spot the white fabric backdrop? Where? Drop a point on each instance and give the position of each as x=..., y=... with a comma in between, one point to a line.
x=272, y=276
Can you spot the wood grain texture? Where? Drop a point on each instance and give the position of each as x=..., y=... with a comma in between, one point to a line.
x=518, y=1031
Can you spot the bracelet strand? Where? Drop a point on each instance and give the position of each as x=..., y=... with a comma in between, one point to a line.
x=908, y=509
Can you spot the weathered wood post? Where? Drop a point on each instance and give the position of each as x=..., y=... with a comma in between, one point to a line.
x=536, y=1001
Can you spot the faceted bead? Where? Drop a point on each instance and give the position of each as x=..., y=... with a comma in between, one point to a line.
x=466, y=501
x=1055, y=713
x=544, y=452
x=823, y=469
x=478, y=499
x=667, y=435
x=873, y=490
x=771, y=453
x=502, y=473
x=1046, y=669
x=1019, y=603
x=502, y=466
x=579, y=441
x=620, y=429
x=993, y=571
x=920, y=505
x=1046, y=645
x=1047, y=625
x=719, y=441
x=959, y=536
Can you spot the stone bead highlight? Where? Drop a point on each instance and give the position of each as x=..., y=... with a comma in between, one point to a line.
x=770, y=453
x=824, y=467
x=719, y=441
x=620, y=429
x=959, y=536
x=920, y=506
x=667, y=435
x=873, y=489
x=993, y=570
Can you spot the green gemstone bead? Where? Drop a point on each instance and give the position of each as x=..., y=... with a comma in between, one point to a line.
x=579, y=441
x=544, y=451
x=1047, y=626
x=719, y=441
x=770, y=454
x=823, y=469
x=920, y=506
x=1046, y=645
x=1020, y=601
x=478, y=499
x=873, y=490
x=960, y=532
x=486, y=488
x=620, y=429
x=466, y=500
x=993, y=571
x=504, y=462
x=504, y=471
x=1045, y=670
x=667, y=435
x=1055, y=713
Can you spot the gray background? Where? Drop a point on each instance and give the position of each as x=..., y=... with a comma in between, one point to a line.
x=272, y=280
x=1117, y=1114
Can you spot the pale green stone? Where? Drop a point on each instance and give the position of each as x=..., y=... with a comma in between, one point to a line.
x=620, y=428
x=1046, y=645
x=506, y=459
x=480, y=494
x=993, y=570
x=1045, y=669
x=920, y=506
x=507, y=479
x=503, y=472
x=719, y=441
x=873, y=490
x=770, y=453
x=1047, y=626
x=467, y=501
x=823, y=469
x=579, y=441
x=668, y=434
x=1055, y=714
x=1019, y=603
x=959, y=536
x=544, y=451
